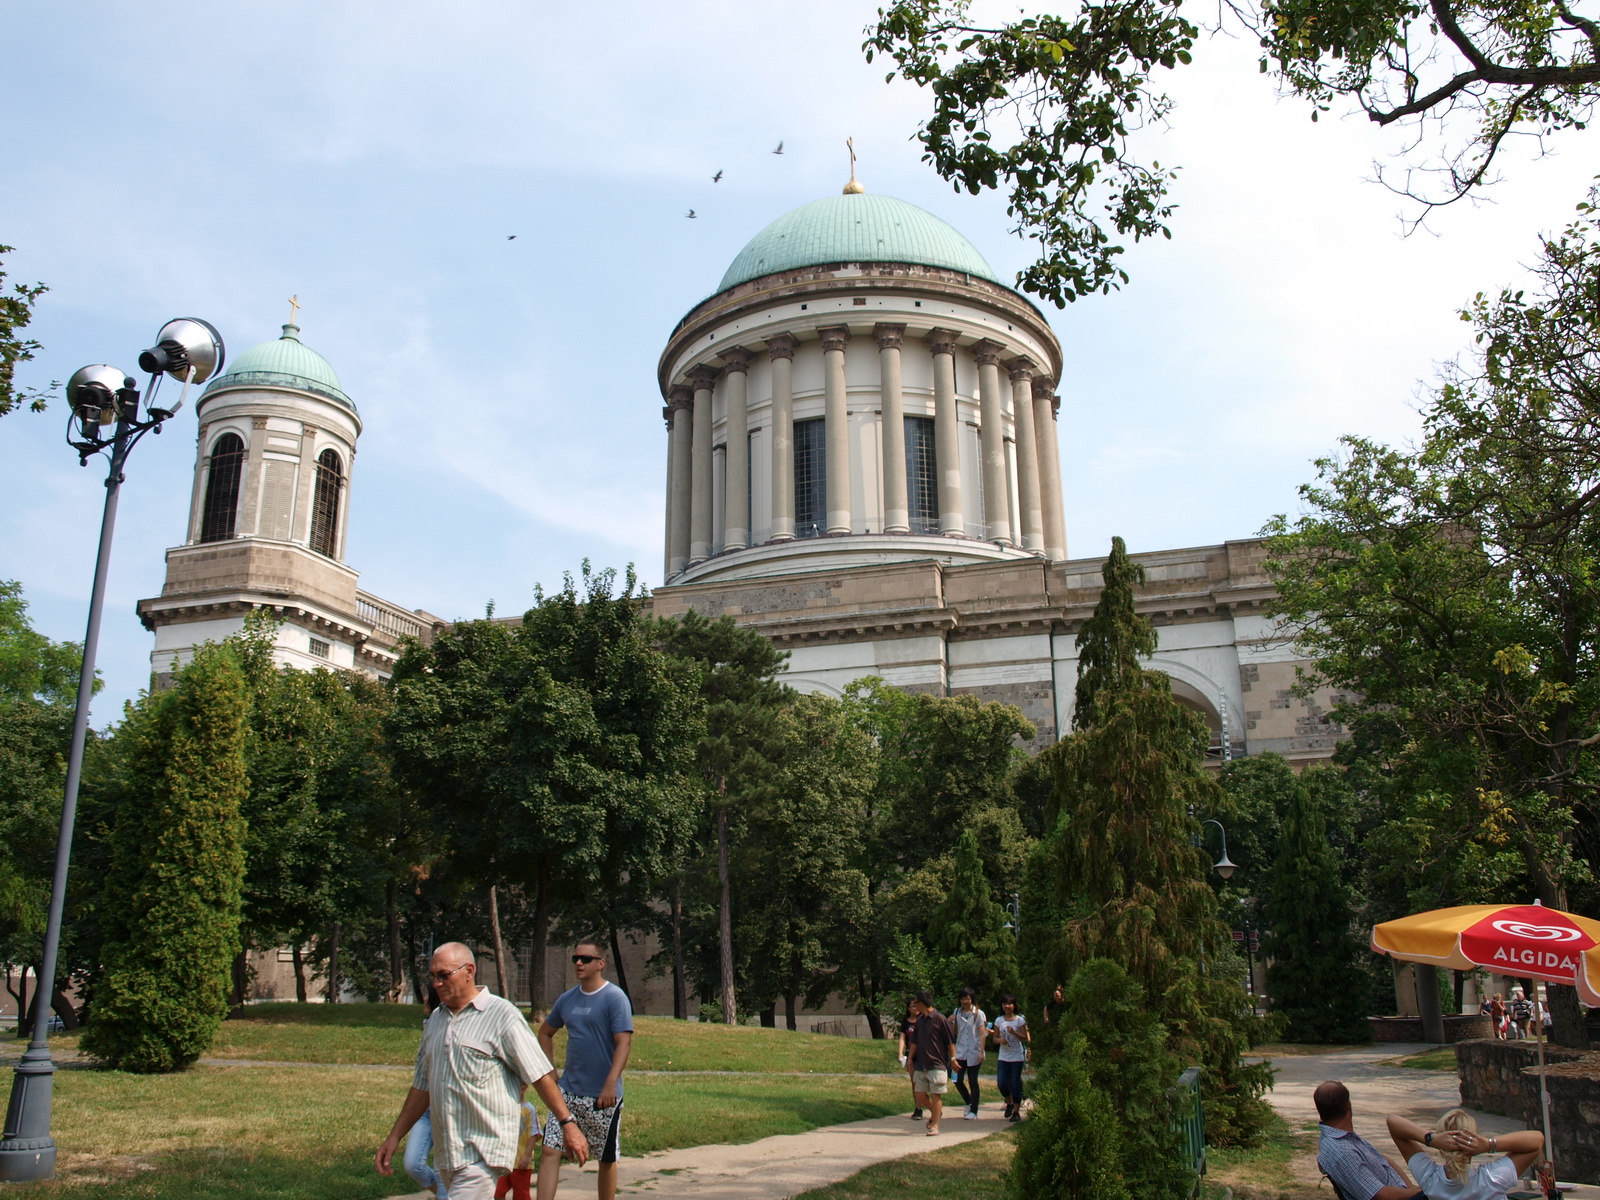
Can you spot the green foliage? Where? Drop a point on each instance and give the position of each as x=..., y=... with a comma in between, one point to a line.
x=16, y=311
x=1452, y=594
x=1314, y=979
x=1128, y=1058
x=968, y=929
x=1073, y=1145
x=31, y=665
x=172, y=897
x=1129, y=882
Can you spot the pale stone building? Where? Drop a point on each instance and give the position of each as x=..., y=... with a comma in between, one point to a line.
x=267, y=519
x=863, y=463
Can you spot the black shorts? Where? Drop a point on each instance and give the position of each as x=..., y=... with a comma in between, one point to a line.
x=601, y=1126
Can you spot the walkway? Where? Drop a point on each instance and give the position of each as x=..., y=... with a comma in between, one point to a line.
x=776, y=1168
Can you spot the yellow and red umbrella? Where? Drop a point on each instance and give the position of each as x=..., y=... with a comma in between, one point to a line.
x=1509, y=939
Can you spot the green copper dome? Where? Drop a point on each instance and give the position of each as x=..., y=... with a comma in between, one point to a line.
x=856, y=228
x=285, y=362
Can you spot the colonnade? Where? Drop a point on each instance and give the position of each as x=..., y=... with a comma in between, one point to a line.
x=1030, y=399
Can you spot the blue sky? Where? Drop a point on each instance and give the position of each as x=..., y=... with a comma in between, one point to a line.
x=211, y=160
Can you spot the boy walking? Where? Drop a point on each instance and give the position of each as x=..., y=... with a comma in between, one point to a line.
x=599, y=1024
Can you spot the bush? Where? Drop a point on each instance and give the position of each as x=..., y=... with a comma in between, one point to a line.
x=1072, y=1147
x=171, y=897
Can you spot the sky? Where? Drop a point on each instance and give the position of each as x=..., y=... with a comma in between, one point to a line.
x=373, y=158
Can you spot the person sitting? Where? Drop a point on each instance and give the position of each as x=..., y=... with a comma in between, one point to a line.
x=1354, y=1165
x=1455, y=1137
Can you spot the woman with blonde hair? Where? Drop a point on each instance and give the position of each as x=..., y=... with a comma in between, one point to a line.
x=1455, y=1138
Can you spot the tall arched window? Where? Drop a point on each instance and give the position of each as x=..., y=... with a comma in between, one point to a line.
x=221, y=511
x=922, y=476
x=810, y=478
x=325, y=506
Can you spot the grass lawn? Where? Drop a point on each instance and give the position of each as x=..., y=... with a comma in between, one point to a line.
x=1442, y=1059
x=388, y=1033
x=973, y=1170
x=1302, y=1049
x=300, y=1133
x=1262, y=1173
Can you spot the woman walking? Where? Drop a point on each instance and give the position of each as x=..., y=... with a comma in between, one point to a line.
x=419, y=1142
x=972, y=1034
x=908, y=1055
x=1010, y=1032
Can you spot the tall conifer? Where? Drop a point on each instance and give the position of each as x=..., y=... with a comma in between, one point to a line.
x=1130, y=882
x=968, y=929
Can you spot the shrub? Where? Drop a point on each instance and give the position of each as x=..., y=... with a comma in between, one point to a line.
x=1072, y=1148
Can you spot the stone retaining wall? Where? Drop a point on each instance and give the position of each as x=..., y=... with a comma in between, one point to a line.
x=1458, y=1027
x=1491, y=1074
x=1574, y=1116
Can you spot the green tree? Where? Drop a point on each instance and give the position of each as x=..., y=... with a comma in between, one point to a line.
x=1450, y=593
x=1314, y=979
x=1130, y=882
x=738, y=671
x=16, y=311
x=1128, y=1058
x=172, y=897
x=32, y=667
x=801, y=898
x=1048, y=107
x=968, y=928
x=1073, y=1146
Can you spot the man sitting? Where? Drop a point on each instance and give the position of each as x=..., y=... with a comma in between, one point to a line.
x=1356, y=1168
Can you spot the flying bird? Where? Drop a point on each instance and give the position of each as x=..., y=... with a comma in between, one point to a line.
x=511, y=237
x=691, y=214
x=779, y=150
x=717, y=178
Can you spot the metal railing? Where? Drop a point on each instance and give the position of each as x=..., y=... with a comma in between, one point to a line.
x=1190, y=1119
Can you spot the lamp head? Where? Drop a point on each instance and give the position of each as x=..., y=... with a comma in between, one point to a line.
x=188, y=349
x=1225, y=866
x=92, y=393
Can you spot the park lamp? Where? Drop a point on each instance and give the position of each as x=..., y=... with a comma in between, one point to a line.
x=104, y=415
x=1224, y=866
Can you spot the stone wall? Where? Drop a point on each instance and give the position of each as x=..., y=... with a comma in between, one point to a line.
x=1458, y=1027
x=1492, y=1074
x=1574, y=1089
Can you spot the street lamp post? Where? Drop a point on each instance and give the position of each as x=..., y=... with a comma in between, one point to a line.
x=1014, y=914
x=1224, y=866
x=190, y=351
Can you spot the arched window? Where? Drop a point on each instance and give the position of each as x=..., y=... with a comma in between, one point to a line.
x=221, y=511
x=810, y=478
x=922, y=476
x=325, y=506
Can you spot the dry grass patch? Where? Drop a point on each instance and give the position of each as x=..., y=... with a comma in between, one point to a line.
x=1283, y=1166
x=974, y=1170
x=1303, y=1049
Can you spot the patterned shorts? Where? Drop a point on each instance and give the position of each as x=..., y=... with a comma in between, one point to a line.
x=602, y=1126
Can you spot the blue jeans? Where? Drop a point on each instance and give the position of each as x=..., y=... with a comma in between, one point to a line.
x=418, y=1143
x=1008, y=1078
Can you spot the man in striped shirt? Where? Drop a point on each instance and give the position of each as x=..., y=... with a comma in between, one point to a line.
x=477, y=1055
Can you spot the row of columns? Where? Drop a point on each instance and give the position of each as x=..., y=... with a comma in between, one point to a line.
x=1034, y=406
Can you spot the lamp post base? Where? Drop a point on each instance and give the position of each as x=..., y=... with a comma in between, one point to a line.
x=28, y=1152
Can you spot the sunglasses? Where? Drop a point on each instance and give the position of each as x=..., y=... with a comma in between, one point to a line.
x=443, y=976
x=585, y=959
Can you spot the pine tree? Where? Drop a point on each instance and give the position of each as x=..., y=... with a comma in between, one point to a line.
x=968, y=929
x=1072, y=1147
x=1314, y=980
x=1130, y=882
x=172, y=897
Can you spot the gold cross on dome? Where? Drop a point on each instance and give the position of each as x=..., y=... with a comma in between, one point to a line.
x=851, y=143
x=294, y=309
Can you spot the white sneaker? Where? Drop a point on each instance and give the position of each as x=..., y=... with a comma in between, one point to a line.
x=969, y=1115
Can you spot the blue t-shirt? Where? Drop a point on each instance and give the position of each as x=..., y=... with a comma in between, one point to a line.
x=590, y=1019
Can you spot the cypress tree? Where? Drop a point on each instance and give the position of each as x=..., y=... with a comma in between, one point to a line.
x=1313, y=980
x=1130, y=882
x=171, y=897
x=968, y=928
x=1072, y=1147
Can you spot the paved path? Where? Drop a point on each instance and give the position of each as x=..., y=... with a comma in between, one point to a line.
x=778, y=1167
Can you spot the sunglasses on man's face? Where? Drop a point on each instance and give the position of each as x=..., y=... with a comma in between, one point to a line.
x=585, y=959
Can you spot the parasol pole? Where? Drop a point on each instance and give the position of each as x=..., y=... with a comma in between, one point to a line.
x=1544, y=1094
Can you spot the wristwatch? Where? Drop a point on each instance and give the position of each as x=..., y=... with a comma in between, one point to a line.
x=569, y=1119
x=1427, y=1138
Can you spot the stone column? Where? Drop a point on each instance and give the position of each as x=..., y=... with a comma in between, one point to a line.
x=836, y=431
x=700, y=481
x=202, y=469
x=896, y=505
x=780, y=349
x=680, y=404
x=1044, y=431
x=996, y=494
x=736, y=519
x=301, y=533
x=666, y=501
x=1028, y=492
x=250, y=490
x=946, y=430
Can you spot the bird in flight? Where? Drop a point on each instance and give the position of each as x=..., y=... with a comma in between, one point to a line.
x=779, y=150
x=717, y=178
x=511, y=237
x=691, y=214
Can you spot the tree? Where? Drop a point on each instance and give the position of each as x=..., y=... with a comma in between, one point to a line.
x=173, y=893
x=1130, y=883
x=968, y=929
x=32, y=667
x=1072, y=1147
x=1046, y=106
x=738, y=671
x=16, y=311
x=801, y=899
x=1314, y=979
x=1454, y=590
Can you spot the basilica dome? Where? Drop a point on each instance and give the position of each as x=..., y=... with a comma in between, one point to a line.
x=283, y=362
x=855, y=228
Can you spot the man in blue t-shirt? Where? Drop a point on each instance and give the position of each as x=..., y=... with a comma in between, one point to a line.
x=599, y=1024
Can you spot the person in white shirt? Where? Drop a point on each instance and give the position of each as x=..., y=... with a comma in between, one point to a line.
x=1010, y=1032
x=1455, y=1139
